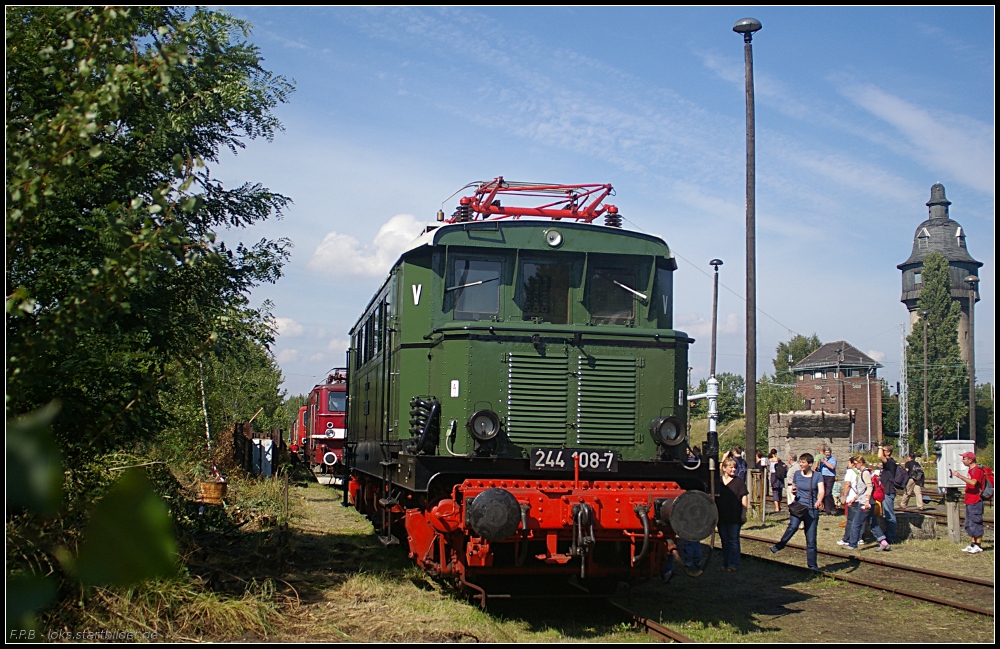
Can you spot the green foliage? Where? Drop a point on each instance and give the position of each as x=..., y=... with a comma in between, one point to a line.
x=34, y=467
x=984, y=415
x=731, y=390
x=290, y=409
x=794, y=350
x=129, y=537
x=890, y=409
x=240, y=378
x=773, y=396
x=117, y=291
x=114, y=279
x=947, y=375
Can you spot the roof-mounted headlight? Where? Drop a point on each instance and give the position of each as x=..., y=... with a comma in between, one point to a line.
x=667, y=431
x=484, y=425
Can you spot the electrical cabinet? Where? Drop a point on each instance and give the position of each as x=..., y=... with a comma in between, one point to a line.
x=949, y=458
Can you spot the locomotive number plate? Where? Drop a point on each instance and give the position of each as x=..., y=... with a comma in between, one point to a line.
x=561, y=459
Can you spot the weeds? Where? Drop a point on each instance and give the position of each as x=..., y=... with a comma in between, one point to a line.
x=181, y=609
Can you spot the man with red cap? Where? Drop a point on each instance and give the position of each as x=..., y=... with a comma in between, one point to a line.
x=973, y=502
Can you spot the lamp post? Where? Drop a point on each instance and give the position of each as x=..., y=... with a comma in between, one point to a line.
x=973, y=282
x=712, y=392
x=747, y=27
x=923, y=316
x=715, y=263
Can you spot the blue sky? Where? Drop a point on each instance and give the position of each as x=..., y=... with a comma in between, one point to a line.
x=859, y=111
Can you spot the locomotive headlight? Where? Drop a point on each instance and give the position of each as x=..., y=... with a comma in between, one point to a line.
x=553, y=238
x=484, y=425
x=329, y=429
x=667, y=431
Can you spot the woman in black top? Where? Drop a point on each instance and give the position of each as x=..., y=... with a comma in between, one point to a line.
x=733, y=501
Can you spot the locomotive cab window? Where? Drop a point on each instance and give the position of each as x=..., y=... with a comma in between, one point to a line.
x=475, y=289
x=612, y=296
x=336, y=401
x=545, y=292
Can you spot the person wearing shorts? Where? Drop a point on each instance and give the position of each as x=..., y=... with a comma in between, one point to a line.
x=974, y=482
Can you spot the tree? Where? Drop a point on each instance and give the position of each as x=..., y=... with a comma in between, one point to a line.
x=984, y=415
x=947, y=375
x=790, y=353
x=115, y=282
x=241, y=382
x=731, y=390
x=890, y=408
x=773, y=397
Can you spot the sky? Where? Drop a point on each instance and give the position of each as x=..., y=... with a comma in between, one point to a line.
x=858, y=112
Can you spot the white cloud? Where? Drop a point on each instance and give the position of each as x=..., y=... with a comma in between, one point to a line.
x=954, y=144
x=876, y=355
x=317, y=357
x=288, y=327
x=700, y=326
x=288, y=355
x=345, y=254
x=338, y=345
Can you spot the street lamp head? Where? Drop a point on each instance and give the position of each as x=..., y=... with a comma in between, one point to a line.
x=747, y=26
x=715, y=263
x=972, y=280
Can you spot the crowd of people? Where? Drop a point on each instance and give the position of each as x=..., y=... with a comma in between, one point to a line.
x=811, y=487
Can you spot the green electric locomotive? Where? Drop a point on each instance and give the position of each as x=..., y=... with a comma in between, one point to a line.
x=516, y=397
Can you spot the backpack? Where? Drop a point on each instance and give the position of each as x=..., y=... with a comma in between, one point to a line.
x=917, y=474
x=987, y=493
x=780, y=471
x=741, y=468
x=901, y=478
x=878, y=492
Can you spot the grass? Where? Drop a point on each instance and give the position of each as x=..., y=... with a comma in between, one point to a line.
x=354, y=589
x=730, y=434
x=228, y=584
x=180, y=609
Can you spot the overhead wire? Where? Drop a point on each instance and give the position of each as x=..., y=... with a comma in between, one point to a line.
x=722, y=284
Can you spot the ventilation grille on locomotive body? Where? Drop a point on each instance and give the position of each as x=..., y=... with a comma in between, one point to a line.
x=538, y=391
x=605, y=407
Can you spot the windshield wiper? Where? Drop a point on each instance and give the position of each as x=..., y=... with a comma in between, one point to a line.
x=630, y=290
x=482, y=281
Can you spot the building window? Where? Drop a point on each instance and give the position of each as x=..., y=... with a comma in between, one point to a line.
x=818, y=375
x=812, y=402
x=802, y=377
x=916, y=278
x=848, y=374
x=822, y=400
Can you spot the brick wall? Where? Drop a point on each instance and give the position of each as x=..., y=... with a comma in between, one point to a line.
x=843, y=395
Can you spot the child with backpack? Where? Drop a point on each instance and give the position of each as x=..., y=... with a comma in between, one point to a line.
x=976, y=488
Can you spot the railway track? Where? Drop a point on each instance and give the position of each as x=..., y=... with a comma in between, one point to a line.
x=941, y=518
x=907, y=581
x=652, y=628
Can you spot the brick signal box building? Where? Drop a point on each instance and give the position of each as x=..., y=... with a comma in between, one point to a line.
x=839, y=378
